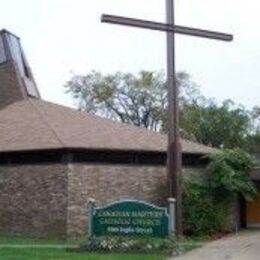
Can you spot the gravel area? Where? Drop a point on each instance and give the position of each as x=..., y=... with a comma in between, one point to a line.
x=242, y=246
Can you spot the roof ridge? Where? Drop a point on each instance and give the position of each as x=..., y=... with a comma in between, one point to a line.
x=121, y=124
x=57, y=126
x=98, y=117
x=130, y=126
x=42, y=116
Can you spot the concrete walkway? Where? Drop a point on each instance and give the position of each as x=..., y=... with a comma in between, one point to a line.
x=243, y=246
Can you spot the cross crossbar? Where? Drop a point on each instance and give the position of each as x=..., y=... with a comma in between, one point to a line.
x=166, y=27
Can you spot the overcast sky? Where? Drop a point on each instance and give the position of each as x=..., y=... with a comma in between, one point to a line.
x=64, y=36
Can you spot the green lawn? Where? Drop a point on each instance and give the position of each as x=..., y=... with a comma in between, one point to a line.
x=60, y=254
x=18, y=248
x=40, y=249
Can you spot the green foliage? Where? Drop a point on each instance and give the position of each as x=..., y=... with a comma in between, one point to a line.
x=221, y=126
x=256, y=117
x=130, y=245
x=207, y=200
x=253, y=144
x=135, y=245
x=229, y=173
x=202, y=214
x=139, y=99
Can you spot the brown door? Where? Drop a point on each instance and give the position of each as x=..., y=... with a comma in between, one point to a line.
x=253, y=212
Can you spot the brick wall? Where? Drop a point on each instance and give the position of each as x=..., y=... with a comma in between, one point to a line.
x=33, y=200
x=106, y=183
x=51, y=199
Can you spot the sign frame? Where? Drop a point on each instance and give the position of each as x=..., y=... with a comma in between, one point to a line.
x=131, y=218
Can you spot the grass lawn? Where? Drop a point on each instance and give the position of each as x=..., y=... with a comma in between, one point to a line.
x=18, y=248
x=40, y=249
x=55, y=254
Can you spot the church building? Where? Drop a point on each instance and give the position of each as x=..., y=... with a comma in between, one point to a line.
x=53, y=159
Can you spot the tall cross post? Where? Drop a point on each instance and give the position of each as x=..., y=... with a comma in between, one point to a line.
x=174, y=154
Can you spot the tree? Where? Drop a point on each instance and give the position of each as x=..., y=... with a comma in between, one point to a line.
x=229, y=172
x=256, y=117
x=252, y=140
x=140, y=100
x=222, y=126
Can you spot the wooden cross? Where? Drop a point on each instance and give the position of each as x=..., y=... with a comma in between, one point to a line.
x=174, y=163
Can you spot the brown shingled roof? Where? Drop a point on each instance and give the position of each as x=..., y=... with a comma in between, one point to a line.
x=35, y=124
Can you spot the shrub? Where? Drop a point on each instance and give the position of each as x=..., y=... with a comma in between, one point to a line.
x=131, y=245
x=202, y=215
x=229, y=173
x=207, y=200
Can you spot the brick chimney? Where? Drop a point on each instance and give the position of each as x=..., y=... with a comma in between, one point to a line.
x=16, y=79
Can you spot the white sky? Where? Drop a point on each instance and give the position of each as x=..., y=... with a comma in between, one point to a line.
x=65, y=36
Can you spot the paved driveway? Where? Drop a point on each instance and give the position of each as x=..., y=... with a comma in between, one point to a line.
x=243, y=246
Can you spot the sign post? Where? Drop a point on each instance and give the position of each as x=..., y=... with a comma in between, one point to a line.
x=172, y=228
x=90, y=209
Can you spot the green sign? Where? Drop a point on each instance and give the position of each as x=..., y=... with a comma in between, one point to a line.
x=130, y=218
